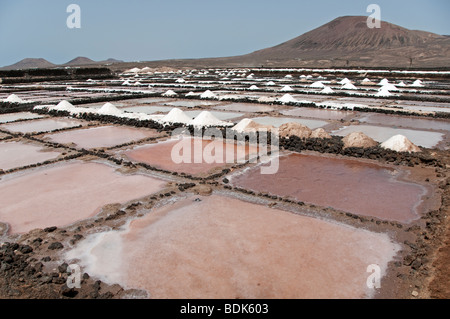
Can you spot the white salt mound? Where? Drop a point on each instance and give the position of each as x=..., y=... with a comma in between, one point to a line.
x=401, y=84
x=383, y=82
x=191, y=94
x=207, y=95
x=133, y=70
x=63, y=106
x=286, y=88
x=389, y=87
x=327, y=90
x=344, y=81
x=109, y=109
x=176, y=116
x=270, y=83
x=317, y=84
x=417, y=83
x=287, y=98
x=13, y=99
x=383, y=92
x=254, y=87
x=180, y=81
x=169, y=93
x=206, y=118
x=400, y=143
x=349, y=86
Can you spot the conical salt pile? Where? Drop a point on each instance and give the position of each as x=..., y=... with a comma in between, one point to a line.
x=191, y=94
x=401, y=84
x=349, y=86
x=169, y=93
x=317, y=85
x=358, y=139
x=248, y=125
x=287, y=98
x=270, y=83
x=206, y=118
x=253, y=87
x=297, y=129
x=286, y=88
x=417, y=83
x=383, y=92
x=13, y=99
x=344, y=81
x=180, y=81
x=383, y=82
x=63, y=106
x=207, y=95
x=109, y=109
x=389, y=87
x=400, y=143
x=327, y=90
x=176, y=116
x=320, y=133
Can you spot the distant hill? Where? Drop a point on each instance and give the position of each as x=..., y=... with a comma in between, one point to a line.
x=30, y=63
x=80, y=61
x=42, y=63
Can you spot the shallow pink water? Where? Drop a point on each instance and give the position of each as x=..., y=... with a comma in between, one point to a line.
x=222, y=247
x=16, y=154
x=179, y=156
x=43, y=125
x=103, y=136
x=349, y=185
x=65, y=193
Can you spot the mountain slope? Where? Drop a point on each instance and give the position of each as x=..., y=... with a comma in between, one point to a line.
x=30, y=63
x=80, y=61
x=349, y=39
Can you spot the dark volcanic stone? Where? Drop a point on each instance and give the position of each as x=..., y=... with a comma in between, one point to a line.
x=55, y=245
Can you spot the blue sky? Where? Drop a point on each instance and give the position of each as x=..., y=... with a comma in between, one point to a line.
x=134, y=30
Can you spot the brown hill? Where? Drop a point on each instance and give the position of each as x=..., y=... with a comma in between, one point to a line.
x=81, y=60
x=30, y=63
x=348, y=40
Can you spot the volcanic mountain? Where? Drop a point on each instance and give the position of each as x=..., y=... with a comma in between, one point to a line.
x=30, y=63
x=80, y=61
x=349, y=41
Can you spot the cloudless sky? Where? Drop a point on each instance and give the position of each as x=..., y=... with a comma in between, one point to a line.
x=134, y=30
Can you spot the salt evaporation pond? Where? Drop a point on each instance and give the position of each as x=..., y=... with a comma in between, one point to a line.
x=42, y=125
x=189, y=103
x=406, y=121
x=348, y=185
x=278, y=121
x=318, y=113
x=65, y=193
x=222, y=247
x=160, y=154
x=11, y=117
x=245, y=107
x=102, y=136
x=147, y=109
x=223, y=116
x=17, y=154
x=381, y=134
